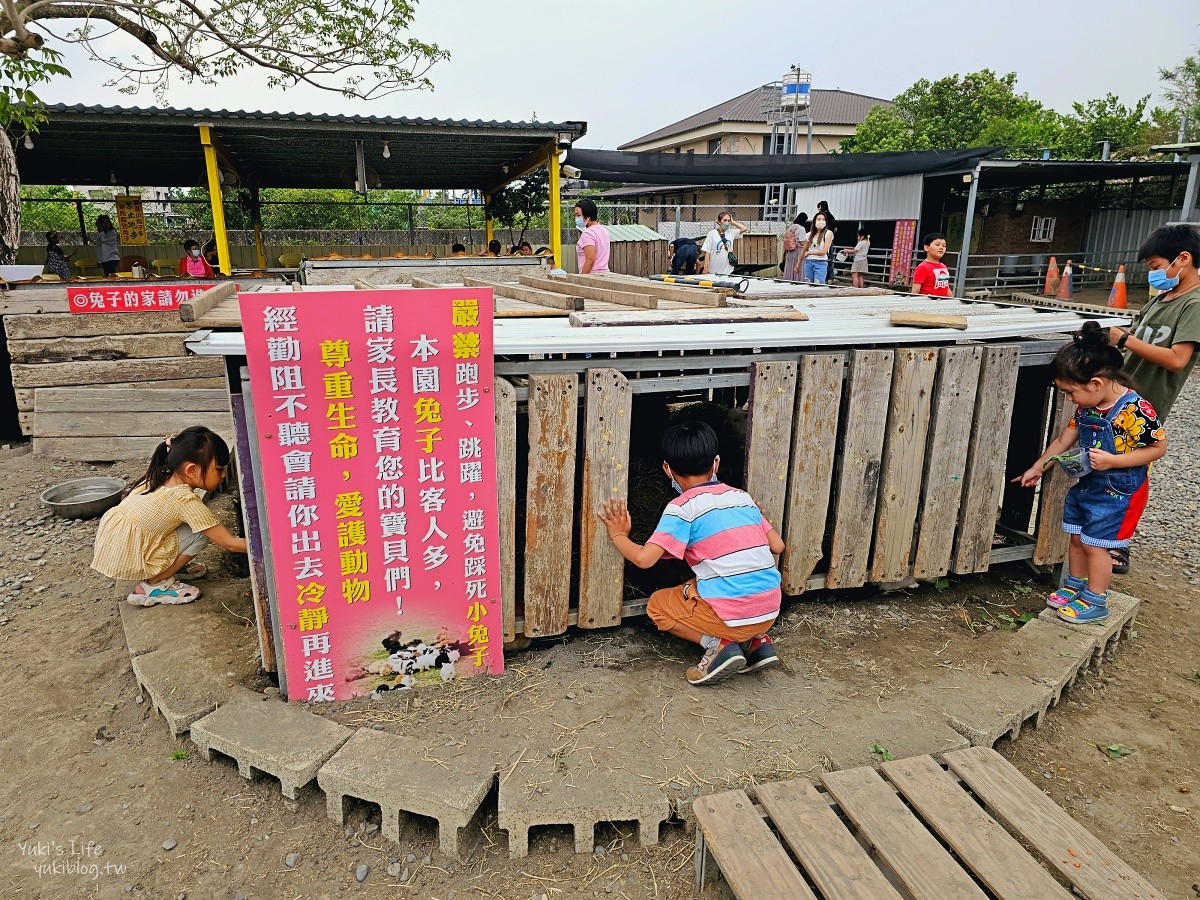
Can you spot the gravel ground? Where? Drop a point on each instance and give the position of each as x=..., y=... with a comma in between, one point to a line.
x=1169, y=523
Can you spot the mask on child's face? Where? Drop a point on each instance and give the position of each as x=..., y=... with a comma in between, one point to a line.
x=1160, y=280
x=195, y=253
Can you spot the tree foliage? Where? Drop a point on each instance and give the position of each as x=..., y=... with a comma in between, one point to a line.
x=62, y=217
x=521, y=203
x=1181, y=87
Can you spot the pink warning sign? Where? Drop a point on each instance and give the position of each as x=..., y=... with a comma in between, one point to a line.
x=376, y=426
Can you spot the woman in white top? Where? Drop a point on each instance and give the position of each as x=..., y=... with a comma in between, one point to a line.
x=719, y=244
x=816, y=251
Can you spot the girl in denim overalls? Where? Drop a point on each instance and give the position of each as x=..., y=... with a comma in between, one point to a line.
x=1108, y=446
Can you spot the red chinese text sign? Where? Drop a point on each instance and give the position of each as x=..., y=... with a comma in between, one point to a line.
x=142, y=297
x=903, y=239
x=376, y=422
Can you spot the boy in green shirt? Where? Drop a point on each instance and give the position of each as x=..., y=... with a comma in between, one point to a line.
x=1160, y=346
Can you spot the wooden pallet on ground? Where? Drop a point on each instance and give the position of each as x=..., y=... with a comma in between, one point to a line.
x=910, y=829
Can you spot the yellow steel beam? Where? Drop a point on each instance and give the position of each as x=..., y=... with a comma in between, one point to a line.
x=487, y=217
x=525, y=165
x=551, y=162
x=214, y=197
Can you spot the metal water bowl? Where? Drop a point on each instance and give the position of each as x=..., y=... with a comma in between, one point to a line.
x=83, y=498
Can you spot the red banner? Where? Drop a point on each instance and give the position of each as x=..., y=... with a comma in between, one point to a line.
x=376, y=423
x=140, y=297
x=903, y=240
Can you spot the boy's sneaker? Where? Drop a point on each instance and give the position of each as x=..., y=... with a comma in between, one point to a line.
x=1084, y=611
x=760, y=653
x=720, y=660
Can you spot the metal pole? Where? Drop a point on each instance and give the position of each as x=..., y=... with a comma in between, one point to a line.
x=82, y=224
x=412, y=234
x=808, y=148
x=1189, y=192
x=960, y=275
x=677, y=219
x=1182, y=136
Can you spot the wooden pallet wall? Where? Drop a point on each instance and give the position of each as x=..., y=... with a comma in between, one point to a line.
x=877, y=466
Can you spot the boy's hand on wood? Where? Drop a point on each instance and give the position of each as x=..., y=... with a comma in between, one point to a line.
x=615, y=516
x=1029, y=477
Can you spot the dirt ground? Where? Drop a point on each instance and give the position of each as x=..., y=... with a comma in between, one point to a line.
x=94, y=784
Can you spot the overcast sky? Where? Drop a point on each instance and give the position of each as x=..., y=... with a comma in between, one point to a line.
x=628, y=67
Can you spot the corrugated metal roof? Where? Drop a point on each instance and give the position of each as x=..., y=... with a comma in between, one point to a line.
x=102, y=145
x=828, y=108
x=624, y=233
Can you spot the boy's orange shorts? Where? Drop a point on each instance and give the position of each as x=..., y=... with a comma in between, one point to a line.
x=683, y=605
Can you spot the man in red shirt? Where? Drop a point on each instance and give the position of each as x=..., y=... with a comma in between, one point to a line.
x=932, y=277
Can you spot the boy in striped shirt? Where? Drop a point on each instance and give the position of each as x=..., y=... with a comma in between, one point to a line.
x=720, y=532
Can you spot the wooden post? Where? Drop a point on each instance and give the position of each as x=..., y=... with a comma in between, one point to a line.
x=946, y=461
x=550, y=499
x=768, y=436
x=810, y=476
x=1051, y=539
x=903, y=463
x=608, y=407
x=506, y=487
x=865, y=416
x=984, y=481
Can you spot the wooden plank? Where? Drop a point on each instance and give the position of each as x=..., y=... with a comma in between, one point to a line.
x=109, y=371
x=506, y=307
x=228, y=314
x=912, y=853
x=996, y=858
x=1023, y=809
x=697, y=296
x=829, y=854
x=903, y=462
x=946, y=460
x=52, y=325
x=193, y=310
x=529, y=295
x=115, y=399
x=550, y=496
x=122, y=346
x=186, y=386
x=772, y=405
x=686, y=317
x=625, y=298
x=983, y=484
x=865, y=420
x=123, y=424
x=33, y=307
x=810, y=478
x=103, y=449
x=927, y=320
x=608, y=405
x=506, y=486
x=1052, y=541
x=250, y=528
x=751, y=858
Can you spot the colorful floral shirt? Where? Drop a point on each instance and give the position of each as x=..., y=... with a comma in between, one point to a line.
x=1135, y=424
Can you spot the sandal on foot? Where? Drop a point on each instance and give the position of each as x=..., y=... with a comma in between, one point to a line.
x=172, y=592
x=1120, y=558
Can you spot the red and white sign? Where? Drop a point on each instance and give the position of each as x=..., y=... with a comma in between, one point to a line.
x=141, y=297
x=376, y=422
x=904, y=239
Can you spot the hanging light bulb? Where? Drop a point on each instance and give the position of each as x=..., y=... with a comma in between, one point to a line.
x=387, y=151
x=112, y=177
x=28, y=141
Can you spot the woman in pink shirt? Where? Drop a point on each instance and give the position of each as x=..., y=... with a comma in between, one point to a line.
x=193, y=264
x=591, y=250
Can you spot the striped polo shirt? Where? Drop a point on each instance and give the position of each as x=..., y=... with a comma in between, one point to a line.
x=720, y=532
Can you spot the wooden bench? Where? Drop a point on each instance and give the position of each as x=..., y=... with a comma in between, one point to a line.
x=910, y=829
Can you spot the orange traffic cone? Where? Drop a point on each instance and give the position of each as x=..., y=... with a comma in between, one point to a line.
x=1051, y=278
x=1064, y=284
x=1116, y=297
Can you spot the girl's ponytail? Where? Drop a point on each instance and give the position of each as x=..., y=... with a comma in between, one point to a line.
x=1088, y=356
x=196, y=444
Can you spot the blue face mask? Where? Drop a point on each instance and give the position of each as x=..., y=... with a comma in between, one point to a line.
x=579, y=223
x=1160, y=280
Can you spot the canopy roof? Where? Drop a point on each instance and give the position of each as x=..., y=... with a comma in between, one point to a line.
x=161, y=147
x=691, y=171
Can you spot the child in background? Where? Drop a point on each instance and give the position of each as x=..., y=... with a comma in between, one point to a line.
x=720, y=532
x=1121, y=435
x=193, y=264
x=858, y=264
x=56, y=259
x=161, y=525
x=932, y=277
